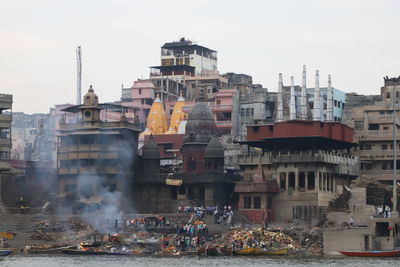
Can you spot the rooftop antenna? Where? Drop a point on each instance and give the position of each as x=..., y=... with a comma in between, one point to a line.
x=79, y=74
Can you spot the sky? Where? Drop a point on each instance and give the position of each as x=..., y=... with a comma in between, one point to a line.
x=356, y=41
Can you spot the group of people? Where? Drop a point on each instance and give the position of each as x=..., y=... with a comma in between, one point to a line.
x=190, y=236
x=221, y=214
x=158, y=221
x=383, y=211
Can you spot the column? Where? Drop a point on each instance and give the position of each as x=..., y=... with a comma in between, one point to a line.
x=296, y=180
x=306, y=181
x=287, y=181
x=317, y=180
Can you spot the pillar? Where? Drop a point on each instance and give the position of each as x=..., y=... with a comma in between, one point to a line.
x=317, y=180
x=306, y=181
x=287, y=181
x=296, y=180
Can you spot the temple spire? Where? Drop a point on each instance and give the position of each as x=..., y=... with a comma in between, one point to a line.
x=279, y=110
x=292, y=100
x=329, y=106
x=317, y=99
x=303, y=97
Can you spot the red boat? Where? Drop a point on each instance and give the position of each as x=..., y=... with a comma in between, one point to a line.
x=376, y=253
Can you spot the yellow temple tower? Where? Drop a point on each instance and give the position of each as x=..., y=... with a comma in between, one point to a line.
x=177, y=116
x=157, y=119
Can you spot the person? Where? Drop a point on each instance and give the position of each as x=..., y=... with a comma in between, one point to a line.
x=351, y=221
x=380, y=210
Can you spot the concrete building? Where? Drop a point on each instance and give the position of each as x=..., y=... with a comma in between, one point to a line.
x=95, y=158
x=372, y=119
x=5, y=134
x=294, y=169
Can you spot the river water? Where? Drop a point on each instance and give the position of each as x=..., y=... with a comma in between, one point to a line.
x=109, y=261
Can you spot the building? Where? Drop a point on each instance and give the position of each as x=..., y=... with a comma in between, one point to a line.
x=5, y=134
x=293, y=169
x=95, y=158
x=200, y=180
x=372, y=119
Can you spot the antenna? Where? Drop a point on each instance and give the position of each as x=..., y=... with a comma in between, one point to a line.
x=79, y=75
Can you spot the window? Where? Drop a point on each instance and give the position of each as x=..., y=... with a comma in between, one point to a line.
x=387, y=94
x=181, y=191
x=373, y=126
x=247, y=112
x=174, y=193
x=247, y=202
x=140, y=91
x=242, y=112
x=257, y=202
x=218, y=102
x=384, y=166
x=335, y=103
x=397, y=94
x=88, y=114
x=384, y=146
x=385, y=127
x=367, y=147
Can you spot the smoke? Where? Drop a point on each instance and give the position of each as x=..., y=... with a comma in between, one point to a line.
x=102, y=198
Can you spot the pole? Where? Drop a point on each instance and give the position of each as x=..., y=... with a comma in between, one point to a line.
x=394, y=210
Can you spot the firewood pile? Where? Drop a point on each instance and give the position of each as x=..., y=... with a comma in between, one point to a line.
x=71, y=224
x=40, y=232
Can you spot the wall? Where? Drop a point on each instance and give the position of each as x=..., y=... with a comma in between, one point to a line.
x=345, y=239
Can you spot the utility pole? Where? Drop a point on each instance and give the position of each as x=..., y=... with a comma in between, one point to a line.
x=79, y=75
x=394, y=198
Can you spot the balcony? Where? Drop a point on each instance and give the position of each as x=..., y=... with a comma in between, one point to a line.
x=98, y=124
x=4, y=165
x=224, y=124
x=5, y=121
x=93, y=170
x=345, y=164
x=227, y=108
x=249, y=187
x=377, y=154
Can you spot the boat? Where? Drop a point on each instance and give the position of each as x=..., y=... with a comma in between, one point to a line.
x=374, y=253
x=245, y=252
x=93, y=252
x=55, y=250
x=259, y=251
x=5, y=252
x=274, y=252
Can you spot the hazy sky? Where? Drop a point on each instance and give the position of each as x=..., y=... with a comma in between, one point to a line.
x=357, y=41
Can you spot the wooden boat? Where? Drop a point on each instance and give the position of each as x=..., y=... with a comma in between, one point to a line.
x=275, y=252
x=375, y=253
x=92, y=252
x=55, y=250
x=245, y=252
x=5, y=252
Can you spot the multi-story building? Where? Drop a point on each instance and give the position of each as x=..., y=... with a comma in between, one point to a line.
x=372, y=119
x=293, y=169
x=94, y=156
x=5, y=128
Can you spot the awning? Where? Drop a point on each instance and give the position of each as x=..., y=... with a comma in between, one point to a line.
x=173, y=182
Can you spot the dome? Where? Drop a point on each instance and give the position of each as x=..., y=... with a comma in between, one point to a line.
x=200, y=125
x=90, y=99
x=214, y=149
x=150, y=150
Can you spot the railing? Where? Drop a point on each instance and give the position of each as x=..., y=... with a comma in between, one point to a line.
x=223, y=123
x=98, y=124
x=89, y=170
x=345, y=163
x=220, y=107
x=267, y=186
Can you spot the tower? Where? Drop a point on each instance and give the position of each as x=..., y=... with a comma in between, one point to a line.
x=292, y=100
x=317, y=99
x=177, y=116
x=303, y=97
x=79, y=74
x=329, y=106
x=90, y=109
x=279, y=111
